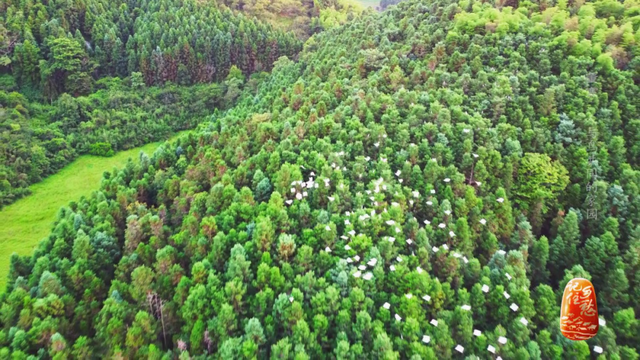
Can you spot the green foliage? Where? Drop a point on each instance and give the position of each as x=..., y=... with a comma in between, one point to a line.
x=360, y=194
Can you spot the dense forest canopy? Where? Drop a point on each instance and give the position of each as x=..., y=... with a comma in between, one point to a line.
x=416, y=184
x=53, y=105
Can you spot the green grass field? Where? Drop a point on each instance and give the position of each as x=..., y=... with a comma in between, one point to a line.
x=27, y=221
x=368, y=3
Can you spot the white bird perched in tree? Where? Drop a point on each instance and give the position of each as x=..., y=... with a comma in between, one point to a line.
x=442, y=225
x=408, y=296
x=434, y=159
x=466, y=307
x=372, y=262
x=356, y=258
x=409, y=241
x=485, y=288
x=327, y=249
x=391, y=239
x=367, y=276
x=460, y=349
x=398, y=173
x=290, y=298
x=514, y=307
x=357, y=274
x=429, y=202
x=289, y=202
x=362, y=267
x=466, y=131
x=392, y=268
x=524, y=321
x=483, y=221
x=506, y=295
x=445, y=246
x=447, y=180
x=426, y=339
x=299, y=196
x=331, y=198
x=349, y=260
x=419, y=270
x=491, y=349
x=386, y=305
x=426, y=298
x=476, y=332
x=427, y=222
x=399, y=259
x=502, y=340
x=398, y=318
x=434, y=322
x=597, y=349
x=390, y=222
x=448, y=212
x=500, y=200
x=377, y=144
x=435, y=249
x=452, y=234
x=475, y=155
x=433, y=191
x=347, y=247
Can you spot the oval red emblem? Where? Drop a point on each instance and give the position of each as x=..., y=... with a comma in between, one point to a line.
x=579, y=312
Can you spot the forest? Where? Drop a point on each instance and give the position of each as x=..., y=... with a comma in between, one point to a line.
x=419, y=183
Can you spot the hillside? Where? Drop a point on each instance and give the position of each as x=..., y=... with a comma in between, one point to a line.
x=94, y=76
x=417, y=184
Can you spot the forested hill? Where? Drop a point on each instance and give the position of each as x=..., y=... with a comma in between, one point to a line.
x=417, y=185
x=55, y=102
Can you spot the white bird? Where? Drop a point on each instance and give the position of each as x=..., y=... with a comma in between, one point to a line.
x=435, y=249
x=376, y=144
x=390, y=222
x=368, y=276
x=289, y=202
x=397, y=230
x=447, y=180
x=357, y=274
x=362, y=267
x=400, y=181
x=429, y=203
x=391, y=239
x=426, y=298
x=501, y=252
x=392, y=268
x=485, y=288
x=411, y=202
x=456, y=255
x=491, y=349
x=427, y=222
x=442, y=225
x=347, y=247
x=502, y=340
x=357, y=258
x=514, y=307
x=506, y=295
x=460, y=349
x=327, y=249
x=426, y=339
x=475, y=155
x=452, y=234
x=524, y=321
x=508, y=276
x=433, y=191
x=305, y=194
x=434, y=322
x=398, y=318
x=478, y=183
x=347, y=222
x=476, y=332
x=344, y=237
x=328, y=228
x=352, y=232
x=464, y=258
x=483, y=221
x=398, y=173
x=419, y=270
x=445, y=246
x=597, y=349
x=434, y=159
x=399, y=259
x=416, y=194
x=500, y=200
x=408, y=296
x=466, y=307
x=290, y=298
x=331, y=198
x=293, y=190
x=349, y=260
x=602, y=322
x=448, y=212
x=372, y=262
x=466, y=131
x=299, y=196
x=409, y=241
x=386, y=305
x=367, y=158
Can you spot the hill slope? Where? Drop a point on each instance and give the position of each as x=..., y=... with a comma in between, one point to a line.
x=357, y=204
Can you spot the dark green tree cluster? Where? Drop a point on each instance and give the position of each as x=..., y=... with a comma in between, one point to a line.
x=418, y=185
x=61, y=46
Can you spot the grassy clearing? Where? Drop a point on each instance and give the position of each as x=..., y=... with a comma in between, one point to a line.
x=24, y=223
